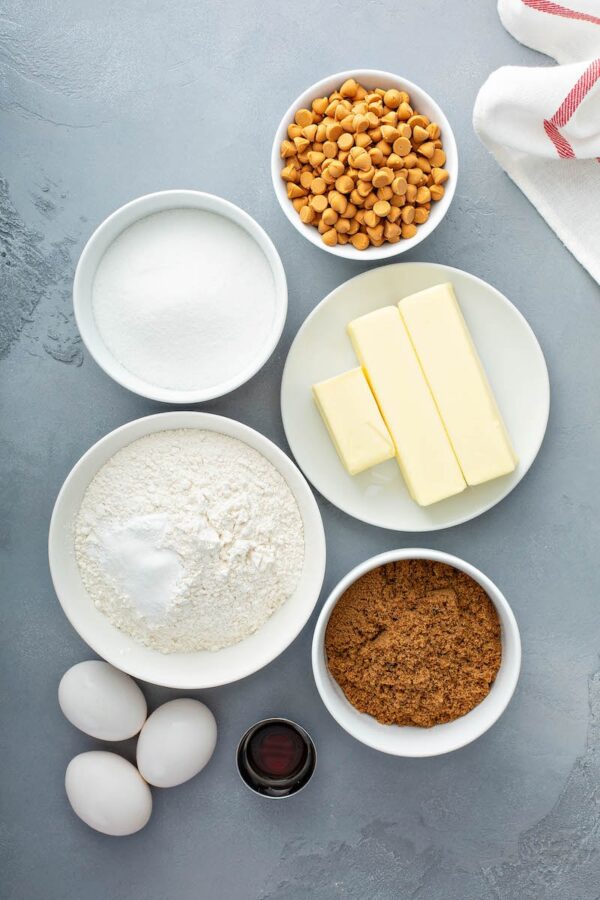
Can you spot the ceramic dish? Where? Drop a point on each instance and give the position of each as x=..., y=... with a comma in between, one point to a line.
x=182, y=670
x=370, y=78
x=405, y=740
x=511, y=356
x=96, y=247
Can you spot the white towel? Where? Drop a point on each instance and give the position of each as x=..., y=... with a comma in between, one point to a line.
x=543, y=124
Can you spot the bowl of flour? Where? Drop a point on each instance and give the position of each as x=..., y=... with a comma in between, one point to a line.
x=186, y=549
x=180, y=296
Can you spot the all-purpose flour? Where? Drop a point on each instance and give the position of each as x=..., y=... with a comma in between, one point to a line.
x=189, y=540
x=184, y=299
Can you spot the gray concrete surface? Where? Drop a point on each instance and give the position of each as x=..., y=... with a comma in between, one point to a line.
x=103, y=101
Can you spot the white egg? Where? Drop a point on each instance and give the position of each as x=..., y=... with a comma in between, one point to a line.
x=176, y=742
x=108, y=793
x=101, y=701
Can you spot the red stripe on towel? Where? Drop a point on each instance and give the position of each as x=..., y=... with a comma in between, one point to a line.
x=555, y=9
x=563, y=147
x=576, y=94
x=566, y=109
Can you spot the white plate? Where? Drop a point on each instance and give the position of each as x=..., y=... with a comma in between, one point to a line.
x=182, y=670
x=512, y=359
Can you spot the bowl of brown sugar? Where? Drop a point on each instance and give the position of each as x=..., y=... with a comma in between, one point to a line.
x=416, y=653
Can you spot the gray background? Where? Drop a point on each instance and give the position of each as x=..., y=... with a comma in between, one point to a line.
x=103, y=101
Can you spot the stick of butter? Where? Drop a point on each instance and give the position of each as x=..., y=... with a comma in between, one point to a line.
x=353, y=421
x=458, y=383
x=423, y=451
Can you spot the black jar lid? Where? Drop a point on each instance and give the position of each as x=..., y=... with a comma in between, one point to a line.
x=276, y=758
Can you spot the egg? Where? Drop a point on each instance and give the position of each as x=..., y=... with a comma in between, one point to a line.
x=176, y=742
x=108, y=793
x=101, y=701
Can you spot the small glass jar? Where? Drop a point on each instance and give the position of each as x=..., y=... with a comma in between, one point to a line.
x=276, y=758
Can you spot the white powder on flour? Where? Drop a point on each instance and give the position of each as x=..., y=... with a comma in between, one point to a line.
x=184, y=299
x=189, y=540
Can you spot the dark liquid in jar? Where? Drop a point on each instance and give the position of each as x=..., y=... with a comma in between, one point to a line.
x=276, y=758
x=277, y=751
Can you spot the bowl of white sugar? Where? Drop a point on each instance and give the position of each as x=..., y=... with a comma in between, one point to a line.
x=186, y=549
x=180, y=296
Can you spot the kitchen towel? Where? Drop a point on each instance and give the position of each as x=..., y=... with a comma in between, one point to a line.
x=543, y=124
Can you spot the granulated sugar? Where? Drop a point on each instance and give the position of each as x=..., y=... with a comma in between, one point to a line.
x=184, y=299
x=189, y=540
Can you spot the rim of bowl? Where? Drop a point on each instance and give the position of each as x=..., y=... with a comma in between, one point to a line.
x=296, y=482
x=326, y=690
x=175, y=198
x=347, y=251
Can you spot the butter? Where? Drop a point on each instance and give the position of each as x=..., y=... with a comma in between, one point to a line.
x=458, y=383
x=423, y=451
x=353, y=421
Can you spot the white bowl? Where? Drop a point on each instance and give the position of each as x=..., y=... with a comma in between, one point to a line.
x=97, y=246
x=423, y=103
x=202, y=669
x=406, y=740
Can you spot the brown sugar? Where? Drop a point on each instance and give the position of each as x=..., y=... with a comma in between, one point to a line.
x=414, y=642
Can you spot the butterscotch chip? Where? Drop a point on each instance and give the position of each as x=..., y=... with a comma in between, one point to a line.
x=336, y=168
x=303, y=117
x=307, y=214
x=287, y=149
x=381, y=208
x=419, y=134
x=392, y=99
x=318, y=203
x=382, y=177
x=344, y=184
x=415, y=177
x=349, y=88
x=422, y=121
x=391, y=232
x=427, y=149
x=389, y=133
x=360, y=241
x=402, y=146
x=376, y=233
x=290, y=173
x=294, y=190
x=315, y=158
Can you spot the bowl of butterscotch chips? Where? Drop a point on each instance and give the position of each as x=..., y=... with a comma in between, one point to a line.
x=364, y=164
x=416, y=653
